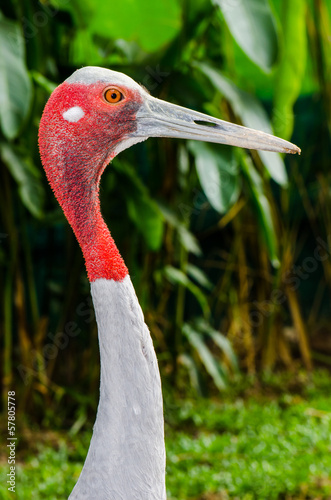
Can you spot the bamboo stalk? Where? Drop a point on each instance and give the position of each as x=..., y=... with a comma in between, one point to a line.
x=300, y=327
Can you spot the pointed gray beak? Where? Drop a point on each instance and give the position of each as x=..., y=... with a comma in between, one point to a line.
x=158, y=118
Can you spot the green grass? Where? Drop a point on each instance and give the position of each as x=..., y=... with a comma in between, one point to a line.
x=250, y=450
x=259, y=443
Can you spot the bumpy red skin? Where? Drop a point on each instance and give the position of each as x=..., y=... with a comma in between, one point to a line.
x=74, y=155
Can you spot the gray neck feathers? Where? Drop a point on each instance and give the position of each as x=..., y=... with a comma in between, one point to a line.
x=126, y=458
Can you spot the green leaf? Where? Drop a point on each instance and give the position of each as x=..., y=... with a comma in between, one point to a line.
x=218, y=174
x=263, y=209
x=142, y=209
x=150, y=24
x=43, y=82
x=291, y=70
x=187, y=361
x=199, y=276
x=27, y=176
x=252, y=25
x=221, y=341
x=251, y=114
x=196, y=340
x=144, y=212
x=178, y=277
x=187, y=239
x=15, y=85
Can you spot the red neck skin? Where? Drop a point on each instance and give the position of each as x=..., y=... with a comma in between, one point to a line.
x=74, y=155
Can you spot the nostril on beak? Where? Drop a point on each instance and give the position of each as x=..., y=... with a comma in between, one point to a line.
x=206, y=124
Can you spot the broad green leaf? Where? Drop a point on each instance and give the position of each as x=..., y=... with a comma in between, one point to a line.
x=252, y=115
x=142, y=209
x=291, y=70
x=27, y=176
x=189, y=241
x=196, y=340
x=144, y=212
x=252, y=25
x=15, y=85
x=263, y=209
x=218, y=174
x=163, y=19
x=199, y=276
x=150, y=24
x=178, y=277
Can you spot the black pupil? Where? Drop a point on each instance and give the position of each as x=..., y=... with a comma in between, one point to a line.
x=114, y=95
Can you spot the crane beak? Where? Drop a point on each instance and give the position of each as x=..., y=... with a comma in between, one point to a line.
x=158, y=118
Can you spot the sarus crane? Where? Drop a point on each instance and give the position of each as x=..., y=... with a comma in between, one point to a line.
x=91, y=117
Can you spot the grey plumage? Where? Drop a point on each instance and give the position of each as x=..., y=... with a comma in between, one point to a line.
x=126, y=458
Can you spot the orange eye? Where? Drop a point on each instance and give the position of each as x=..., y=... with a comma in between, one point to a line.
x=113, y=96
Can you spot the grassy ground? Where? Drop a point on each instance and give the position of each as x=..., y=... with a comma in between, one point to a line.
x=270, y=440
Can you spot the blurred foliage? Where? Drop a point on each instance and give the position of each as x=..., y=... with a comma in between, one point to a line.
x=228, y=249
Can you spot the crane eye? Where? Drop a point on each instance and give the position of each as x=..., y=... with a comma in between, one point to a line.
x=113, y=95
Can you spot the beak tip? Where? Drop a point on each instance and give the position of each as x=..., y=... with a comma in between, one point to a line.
x=293, y=150
x=296, y=150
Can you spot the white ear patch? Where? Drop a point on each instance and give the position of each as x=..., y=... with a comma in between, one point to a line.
x=73, y=114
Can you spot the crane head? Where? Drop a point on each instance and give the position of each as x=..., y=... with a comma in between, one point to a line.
x=105, y=112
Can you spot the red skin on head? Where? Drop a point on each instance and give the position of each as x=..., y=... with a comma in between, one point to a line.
x=74, y=155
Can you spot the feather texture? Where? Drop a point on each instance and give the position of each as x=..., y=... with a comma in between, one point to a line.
x=126, y=458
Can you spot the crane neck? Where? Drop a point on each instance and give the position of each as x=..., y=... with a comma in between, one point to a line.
x=126, y=458
x=75, y=181
x=101, y=255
